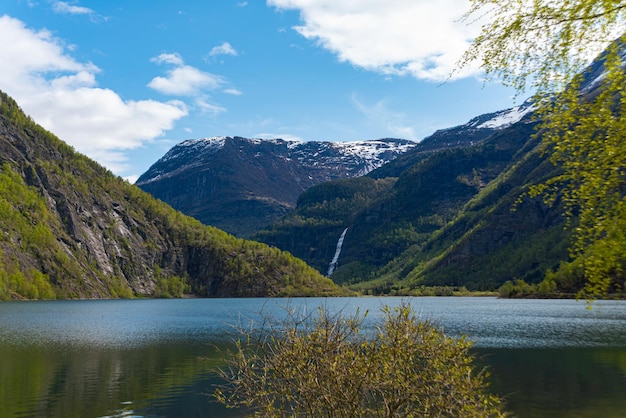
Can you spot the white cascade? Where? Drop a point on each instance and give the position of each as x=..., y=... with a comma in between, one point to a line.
x=333, y=264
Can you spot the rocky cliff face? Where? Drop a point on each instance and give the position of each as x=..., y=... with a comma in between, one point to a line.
x=71, y=229
x=241, y=185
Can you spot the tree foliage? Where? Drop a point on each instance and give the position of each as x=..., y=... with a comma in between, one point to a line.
x=543, y=46
x=329, y=367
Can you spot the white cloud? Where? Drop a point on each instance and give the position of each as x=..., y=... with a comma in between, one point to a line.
x=132, y=179
x=208, y=107
x=183, y=80
x=174, y=59
x=61, y=94
x=233, y=92
x=421, y=38
x=224, y=49
x=62, y=7
x=380, y=114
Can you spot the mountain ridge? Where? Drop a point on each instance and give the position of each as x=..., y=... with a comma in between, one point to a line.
x=242, y=184
x=397, y=239
x=460, y=214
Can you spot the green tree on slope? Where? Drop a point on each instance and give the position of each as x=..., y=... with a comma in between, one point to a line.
x=543, y=46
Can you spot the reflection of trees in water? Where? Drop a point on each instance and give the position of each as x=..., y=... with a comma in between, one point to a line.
x=96, y=382
x=565, y=382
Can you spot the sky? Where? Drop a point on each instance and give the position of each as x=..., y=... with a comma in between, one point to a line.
x=124, y=81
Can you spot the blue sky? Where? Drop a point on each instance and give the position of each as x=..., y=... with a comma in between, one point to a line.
x=124, y=81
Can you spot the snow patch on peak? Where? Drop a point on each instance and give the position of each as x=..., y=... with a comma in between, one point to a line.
x=372, y=149
x=196, y=145
x=209, y=140
x=289, y=143
x=193, y=146
x=255, y=141
x=294, y=143
x=179, y=151
x=504, y=118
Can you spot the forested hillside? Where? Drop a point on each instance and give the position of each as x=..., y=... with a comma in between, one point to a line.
x=529, y=200
x=452, y=218
x=71, y=229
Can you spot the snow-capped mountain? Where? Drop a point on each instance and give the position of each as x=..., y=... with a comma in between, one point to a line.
x=241, y=184
x=471, y=133
x=502, y=119
x=342, y=159
x=479, y=127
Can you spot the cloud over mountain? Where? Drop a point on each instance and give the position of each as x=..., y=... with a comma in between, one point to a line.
x=62, y=94
x=421, y=38
x=182, y=79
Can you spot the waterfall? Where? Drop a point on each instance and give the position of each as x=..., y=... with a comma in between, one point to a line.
x=333, y=264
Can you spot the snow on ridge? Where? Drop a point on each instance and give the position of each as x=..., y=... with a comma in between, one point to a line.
x=368, y=154
x=503, y=118
x=151, y=179
x=372, y=149
x=187, y=147
x=291, y=143
x=364, y=156
x=506, y=118
x=496, y=120
x=207, y=140
x=194, y=145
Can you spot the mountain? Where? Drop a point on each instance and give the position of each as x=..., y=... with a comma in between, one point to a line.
x=454, y=211
x=446, y=213
x=241, y=185
x=71, y=229
x=471, y=133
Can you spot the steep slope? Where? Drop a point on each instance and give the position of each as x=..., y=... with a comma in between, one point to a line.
x=448, y=219
x=498, y=235
x=469, y=134
x=455, y=213
x=71, y=229
x=322, y=214
x=241, y=185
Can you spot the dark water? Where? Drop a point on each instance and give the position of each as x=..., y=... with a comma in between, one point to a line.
x=156, y=358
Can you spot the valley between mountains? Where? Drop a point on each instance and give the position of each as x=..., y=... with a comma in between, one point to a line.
x=384, y=216
x=242, y=217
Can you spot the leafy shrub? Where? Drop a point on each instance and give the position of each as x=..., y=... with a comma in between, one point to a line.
x=327, y=367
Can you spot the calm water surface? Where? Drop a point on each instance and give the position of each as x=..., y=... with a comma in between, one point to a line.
x=156, y=358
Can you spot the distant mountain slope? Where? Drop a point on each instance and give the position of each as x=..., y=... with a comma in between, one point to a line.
x=445, y=217
x=453, y=213
x=241, y=185
x=498, y=235
x=469, y=134
x=71, y=229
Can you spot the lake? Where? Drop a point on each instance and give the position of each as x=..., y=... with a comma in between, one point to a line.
x=157, y=358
